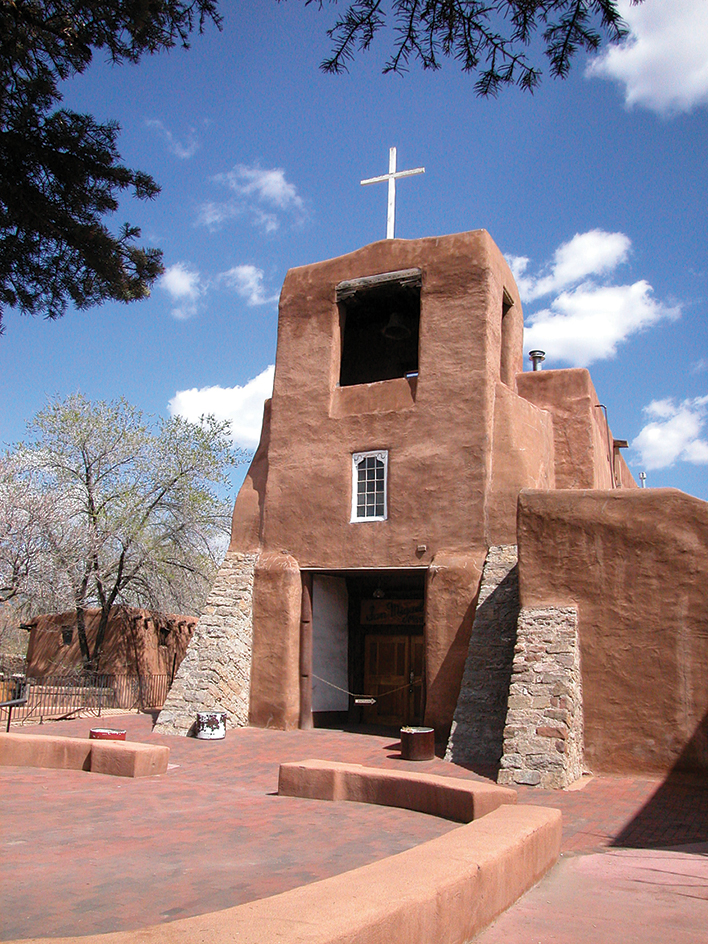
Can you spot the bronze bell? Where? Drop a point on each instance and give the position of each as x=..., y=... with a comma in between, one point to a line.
x=396, y=328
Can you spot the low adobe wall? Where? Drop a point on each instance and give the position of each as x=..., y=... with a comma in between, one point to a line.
x=117, y=758
x=459, y=800
x=445, y=890
x=634, y=562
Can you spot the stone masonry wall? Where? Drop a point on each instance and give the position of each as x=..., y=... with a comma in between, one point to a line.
x=543, y=737
x=215, y=673
x=477, y=733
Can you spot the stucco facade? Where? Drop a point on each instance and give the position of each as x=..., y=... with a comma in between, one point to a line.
x=459, y=433
x=634, y=565
x=429, y=533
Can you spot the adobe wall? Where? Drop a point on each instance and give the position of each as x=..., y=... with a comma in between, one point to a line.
x=247, y=518
x=634, y=562
x=523, y=457
x=114, y=758
x=133, y=643
x=460, y=442
x=459, y=800
x=275, y=678
x=463, y=437
x=582, y=440
x=451, y=589
x=439, y=428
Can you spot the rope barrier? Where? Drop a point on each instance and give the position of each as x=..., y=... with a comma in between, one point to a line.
x=355, y=695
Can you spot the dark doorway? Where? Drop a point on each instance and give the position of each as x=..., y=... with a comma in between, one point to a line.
x=368, y=640
x=387, y=646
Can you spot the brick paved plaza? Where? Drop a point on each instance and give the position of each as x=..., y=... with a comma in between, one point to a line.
x=88, y=853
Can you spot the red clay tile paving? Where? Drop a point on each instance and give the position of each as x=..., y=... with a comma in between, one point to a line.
x=632, y=812
x=85, y=853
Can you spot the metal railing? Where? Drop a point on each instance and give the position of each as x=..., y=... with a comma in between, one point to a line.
x=63, y=696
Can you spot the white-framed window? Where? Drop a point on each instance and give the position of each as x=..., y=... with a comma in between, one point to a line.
x=369, y=485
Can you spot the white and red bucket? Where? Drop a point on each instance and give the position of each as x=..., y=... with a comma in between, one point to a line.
x=211, y=725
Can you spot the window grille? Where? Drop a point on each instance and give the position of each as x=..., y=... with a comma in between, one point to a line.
x=369, y=486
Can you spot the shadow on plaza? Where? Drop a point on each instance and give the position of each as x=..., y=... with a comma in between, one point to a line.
x=677, y=813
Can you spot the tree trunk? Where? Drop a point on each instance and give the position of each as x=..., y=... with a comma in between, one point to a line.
x=83, y=641
x=100, y=636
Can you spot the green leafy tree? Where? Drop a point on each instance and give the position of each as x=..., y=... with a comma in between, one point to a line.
x=60, y=172
x=490, y=38
x=136, y=516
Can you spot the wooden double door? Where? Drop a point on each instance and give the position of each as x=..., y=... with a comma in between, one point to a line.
x=393, y=675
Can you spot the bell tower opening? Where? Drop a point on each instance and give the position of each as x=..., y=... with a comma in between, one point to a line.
x=379, y=320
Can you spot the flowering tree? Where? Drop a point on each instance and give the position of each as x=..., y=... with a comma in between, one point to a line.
x=130, y=511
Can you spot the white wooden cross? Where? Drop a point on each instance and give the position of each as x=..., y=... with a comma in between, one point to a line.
x=391, y=177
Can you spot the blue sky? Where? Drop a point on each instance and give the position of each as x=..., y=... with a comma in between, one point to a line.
x=595, y=189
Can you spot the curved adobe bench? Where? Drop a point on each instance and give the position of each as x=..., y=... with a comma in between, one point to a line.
x=118, y=758
x=459, y=800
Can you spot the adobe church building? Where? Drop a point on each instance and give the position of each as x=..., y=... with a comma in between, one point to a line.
x=430, y=535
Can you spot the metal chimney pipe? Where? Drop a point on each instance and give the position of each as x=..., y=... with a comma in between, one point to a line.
x=538, y=357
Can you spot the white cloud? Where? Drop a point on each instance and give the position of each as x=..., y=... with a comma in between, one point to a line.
x=593, y=253
x=182, y=150
x=185, y=287
x=265, y=195
x=673, y=433
x=663, y=64
x=213, y=215
x=589, y=318
x=588, y=323
x=270, y=186
x=268, y=222
x=247, y=281
x=242, y=406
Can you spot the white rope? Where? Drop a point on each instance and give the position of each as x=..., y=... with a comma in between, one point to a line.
x=355, y=695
